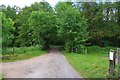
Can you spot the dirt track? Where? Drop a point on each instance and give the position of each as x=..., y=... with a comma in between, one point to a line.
x=51, y=65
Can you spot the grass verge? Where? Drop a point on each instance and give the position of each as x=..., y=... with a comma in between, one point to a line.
x=95, y=64
x=16, y=57
x=0, y=76
x=21, y=54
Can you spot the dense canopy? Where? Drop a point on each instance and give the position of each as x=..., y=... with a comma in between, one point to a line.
x=72, y=25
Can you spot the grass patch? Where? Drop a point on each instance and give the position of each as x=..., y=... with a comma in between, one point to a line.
x=93, y=65
x=0, y=76
x=21, y=54
x=20, y=50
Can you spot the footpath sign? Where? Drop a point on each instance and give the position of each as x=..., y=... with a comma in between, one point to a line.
x=112, y=56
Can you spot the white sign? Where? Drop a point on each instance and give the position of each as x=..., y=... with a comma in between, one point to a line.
x=111, y=55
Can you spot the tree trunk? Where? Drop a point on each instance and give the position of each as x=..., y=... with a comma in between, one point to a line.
x=13, y=49
x=39, y=39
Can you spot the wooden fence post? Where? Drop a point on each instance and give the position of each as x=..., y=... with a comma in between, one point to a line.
x=112, y=56
x=118, y=51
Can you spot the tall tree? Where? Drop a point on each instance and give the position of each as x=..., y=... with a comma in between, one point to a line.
x=73, y=25
x=44, y=27
x=101, y=21
x=25, y=38
x=7, y=29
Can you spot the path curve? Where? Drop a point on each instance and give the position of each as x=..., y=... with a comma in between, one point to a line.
x=51, y=65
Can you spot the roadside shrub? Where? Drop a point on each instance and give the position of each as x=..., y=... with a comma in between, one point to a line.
x=19, y=50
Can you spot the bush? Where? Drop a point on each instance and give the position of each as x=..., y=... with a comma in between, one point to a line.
x=19, y=50
x=97, y=49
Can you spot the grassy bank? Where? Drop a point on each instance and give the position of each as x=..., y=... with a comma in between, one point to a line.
x=92, y=65
x=21, y=53
x=0, y=76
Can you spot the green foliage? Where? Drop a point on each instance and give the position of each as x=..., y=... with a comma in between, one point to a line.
x=1, y=76
x=20, y=50
x=26, y=35
x=73, y=26
x=45, y=30
x=102, y=21
x=7, y=28
x=69, y=24
x=9, y=11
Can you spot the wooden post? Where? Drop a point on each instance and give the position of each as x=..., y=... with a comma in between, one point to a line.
x=112, y=57
x=118, y=50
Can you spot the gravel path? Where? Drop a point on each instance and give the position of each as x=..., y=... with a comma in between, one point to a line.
x=51, y=65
